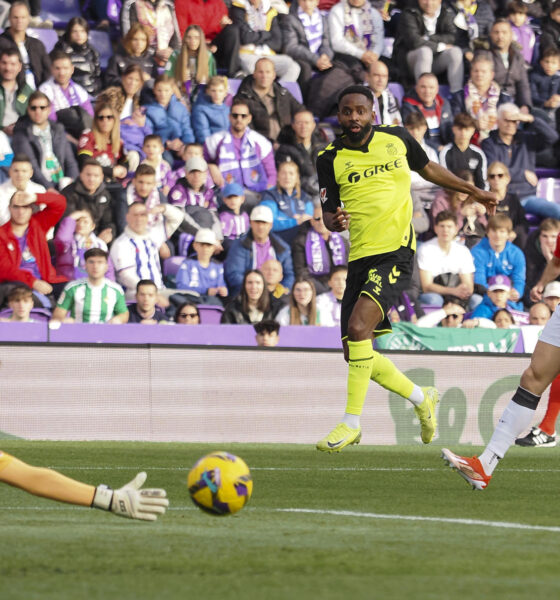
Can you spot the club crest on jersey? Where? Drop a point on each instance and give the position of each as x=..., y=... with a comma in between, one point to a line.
x=323, y=195
x=391, y=149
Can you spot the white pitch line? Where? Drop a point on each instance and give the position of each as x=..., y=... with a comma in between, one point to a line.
x=350, y=469
x=338, y=513
x=349, y=513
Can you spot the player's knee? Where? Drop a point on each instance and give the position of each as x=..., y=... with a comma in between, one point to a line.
x=358, y=330
x=534, y=381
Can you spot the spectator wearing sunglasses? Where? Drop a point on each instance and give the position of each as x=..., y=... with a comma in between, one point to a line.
x=187, y=314
x=44, y=142
x=498, y=180
x=451, y=314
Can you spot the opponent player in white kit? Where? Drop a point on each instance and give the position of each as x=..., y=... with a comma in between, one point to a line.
x=519, y=413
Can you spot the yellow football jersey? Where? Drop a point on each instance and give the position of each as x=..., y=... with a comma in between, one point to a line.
x=373, y=184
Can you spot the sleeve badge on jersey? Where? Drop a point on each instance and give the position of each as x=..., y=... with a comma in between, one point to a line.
x=323, y=195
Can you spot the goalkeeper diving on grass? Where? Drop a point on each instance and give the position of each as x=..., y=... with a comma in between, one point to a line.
x=364, y=180
x=130, y=501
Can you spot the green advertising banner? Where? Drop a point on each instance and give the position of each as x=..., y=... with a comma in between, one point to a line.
x=407, y=336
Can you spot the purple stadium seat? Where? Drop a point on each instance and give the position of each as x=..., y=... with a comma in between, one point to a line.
x=101, y=41
x=543, y=172
x=233, y=85
x=171, y=265
x=293, y=88
x=49, y=37
x=60, y=11
x=549, y=188
x=210, y=314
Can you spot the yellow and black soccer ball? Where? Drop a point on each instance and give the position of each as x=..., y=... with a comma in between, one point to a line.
x=220, y=483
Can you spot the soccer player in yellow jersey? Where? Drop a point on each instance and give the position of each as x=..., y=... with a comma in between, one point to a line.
x=364, y=178
x=130, y=501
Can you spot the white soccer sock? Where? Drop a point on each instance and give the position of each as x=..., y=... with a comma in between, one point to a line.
x=416, y=396
x=514, y=420
x=351, y=420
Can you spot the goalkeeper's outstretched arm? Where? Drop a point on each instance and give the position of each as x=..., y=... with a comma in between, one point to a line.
x=130, y=501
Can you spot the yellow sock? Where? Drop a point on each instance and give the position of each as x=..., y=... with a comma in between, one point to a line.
x=388, y=376
x=359, y=369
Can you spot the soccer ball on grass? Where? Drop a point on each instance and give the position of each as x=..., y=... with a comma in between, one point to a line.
x=220, y=483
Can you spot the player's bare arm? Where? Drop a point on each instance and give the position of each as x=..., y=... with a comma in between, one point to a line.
x=337, y=221
x=550, y=273
x=444, y=178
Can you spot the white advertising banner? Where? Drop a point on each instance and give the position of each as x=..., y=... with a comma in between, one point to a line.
x=237, y=395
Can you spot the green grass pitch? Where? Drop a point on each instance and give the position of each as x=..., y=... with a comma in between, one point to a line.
x=51, y=551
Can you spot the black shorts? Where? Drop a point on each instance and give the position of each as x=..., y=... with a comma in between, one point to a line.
x=383, y=278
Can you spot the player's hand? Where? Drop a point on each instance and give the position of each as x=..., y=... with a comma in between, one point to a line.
x=536, y=293
x=489, y=199
x=340, y=220
x=131, y=501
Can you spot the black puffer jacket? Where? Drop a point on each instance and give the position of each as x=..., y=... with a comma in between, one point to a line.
x=87, y=68
x=121, y=60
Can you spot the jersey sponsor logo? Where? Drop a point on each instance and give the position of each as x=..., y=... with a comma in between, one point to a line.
x=323, y=195
x=355, y=176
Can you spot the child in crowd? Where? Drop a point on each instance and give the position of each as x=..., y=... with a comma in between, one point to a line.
x=496, y=297
x=201, y=276
x=329, y=304
x=153, y=149
x=461, y=155
x=169, y=118
x=20, y=301
x=74, y=236
x=190, y=151
x=210, y=113
x=545, y=81
x=233, y=217
x=191, y=190
x=522, y=31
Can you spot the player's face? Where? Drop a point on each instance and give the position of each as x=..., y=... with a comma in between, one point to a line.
x=269, y=339
x=254, y=286
x=482, y=74
x=10, y=66
x=355, y=115
x=20, y=174
x=548, y=239
x=146, y=297
x=92, y=177
x=62, y=70
x=144, y=184
x=96, y=267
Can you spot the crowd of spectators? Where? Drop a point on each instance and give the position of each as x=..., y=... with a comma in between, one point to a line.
x=183, y=173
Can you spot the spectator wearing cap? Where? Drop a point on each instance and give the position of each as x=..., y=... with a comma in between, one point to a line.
x=241, y=154
x=233, y=217
x=256, y=247
x=551, y=295
x=192, y=189
x=496, y=255
x=201, y=277
x=496, y=297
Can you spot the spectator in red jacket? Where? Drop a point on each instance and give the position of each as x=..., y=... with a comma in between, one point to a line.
x=23, y=245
